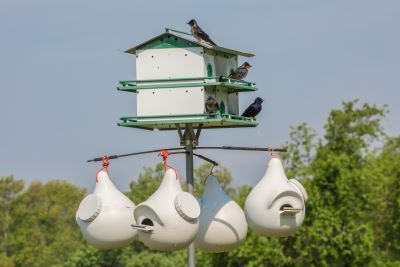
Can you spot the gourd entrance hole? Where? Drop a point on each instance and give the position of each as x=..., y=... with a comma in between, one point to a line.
x=286, y=206
x=147, y=222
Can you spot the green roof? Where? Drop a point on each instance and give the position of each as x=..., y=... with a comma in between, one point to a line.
x=173, y=38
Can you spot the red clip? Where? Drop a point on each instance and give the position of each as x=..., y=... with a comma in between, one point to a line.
x=165, y=154
x=106, y=163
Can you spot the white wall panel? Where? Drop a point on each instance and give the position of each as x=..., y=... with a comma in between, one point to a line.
x=170, y=101
x=166, y=63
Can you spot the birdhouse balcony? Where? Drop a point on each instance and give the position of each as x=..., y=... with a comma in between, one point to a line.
x=182, y=100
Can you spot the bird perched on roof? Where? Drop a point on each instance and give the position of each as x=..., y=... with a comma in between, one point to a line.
x=253, y=109
x=199, y=34
x=212, y=105
x=241, y=72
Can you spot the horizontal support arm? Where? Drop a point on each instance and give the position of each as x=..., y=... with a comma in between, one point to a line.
x=266, y=149
x=244, y=148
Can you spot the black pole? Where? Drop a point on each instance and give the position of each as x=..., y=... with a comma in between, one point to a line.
x=189, y=140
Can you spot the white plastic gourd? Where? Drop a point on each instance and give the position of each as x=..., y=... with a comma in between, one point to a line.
x=276, y=205
x=222, y=222
x=170, y=216
x=105, y=217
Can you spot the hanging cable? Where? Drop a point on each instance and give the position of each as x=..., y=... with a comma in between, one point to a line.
x=211, y=173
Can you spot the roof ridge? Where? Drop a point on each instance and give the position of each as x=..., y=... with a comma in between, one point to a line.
x=180, y=34
x=169, y=30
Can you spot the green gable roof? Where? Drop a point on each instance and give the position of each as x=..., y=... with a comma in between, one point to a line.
x=172, y=39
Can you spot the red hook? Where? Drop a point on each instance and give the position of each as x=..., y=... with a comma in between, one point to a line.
x=106, y=163
x=165, y=154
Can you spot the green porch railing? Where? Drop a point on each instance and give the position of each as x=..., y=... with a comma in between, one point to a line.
x=207, y=115
x=234, y=85
x=205, y=121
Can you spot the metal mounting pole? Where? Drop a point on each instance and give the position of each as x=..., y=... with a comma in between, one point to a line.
x=190, y=189
x=190, y=140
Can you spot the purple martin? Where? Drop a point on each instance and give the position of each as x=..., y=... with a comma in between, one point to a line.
x=241, y=72
x=199, y=34
x=253, y=109
x=211, y=105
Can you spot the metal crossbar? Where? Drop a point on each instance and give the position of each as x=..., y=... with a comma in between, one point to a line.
x=265, y=149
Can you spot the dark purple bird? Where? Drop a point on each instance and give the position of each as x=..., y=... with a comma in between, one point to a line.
x=199, y=34
x=253, y=109
x=212, y=105
x=241, y=72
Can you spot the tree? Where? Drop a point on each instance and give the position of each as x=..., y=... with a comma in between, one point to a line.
x=336, y=231
x=9, y=190
x=223, y=174
x=351, y=173
x=44, y=231
x=146, y=184
x=384, y=212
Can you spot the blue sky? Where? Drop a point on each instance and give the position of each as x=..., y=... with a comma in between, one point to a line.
x=60, y=62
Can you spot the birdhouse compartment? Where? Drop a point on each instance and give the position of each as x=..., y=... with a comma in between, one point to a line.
x=176, y=75
x=224, y=64
x=182, y=63
x=168, y=63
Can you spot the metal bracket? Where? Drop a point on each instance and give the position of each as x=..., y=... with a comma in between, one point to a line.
x=190, y=130
x=198, y=132
x=179, y=129
x=189, y=136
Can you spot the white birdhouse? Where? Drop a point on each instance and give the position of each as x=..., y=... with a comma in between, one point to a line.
x=276, y=205
x=169, y=217
x=223, y=224
x=175, y=75
x=105, y=217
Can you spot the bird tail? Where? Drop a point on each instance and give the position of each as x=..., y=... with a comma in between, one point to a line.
x=211, y=42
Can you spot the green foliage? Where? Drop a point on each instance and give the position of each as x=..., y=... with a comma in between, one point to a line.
x=223, y=174
x=43, y=231
x=336, y=230
x=146, y=184
x=9, y=190
x=351, y=173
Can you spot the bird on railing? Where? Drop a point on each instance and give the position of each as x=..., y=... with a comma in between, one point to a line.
x=199, y=34
x=241, y=72
x=253, y=109
x=212, y=105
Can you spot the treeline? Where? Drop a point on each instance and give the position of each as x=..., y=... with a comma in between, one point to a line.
x=351, y=173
